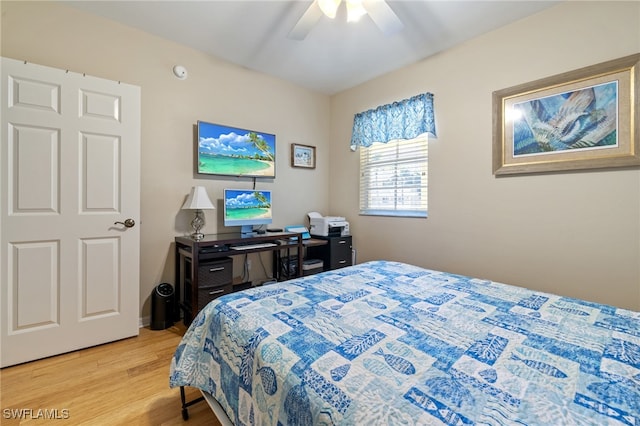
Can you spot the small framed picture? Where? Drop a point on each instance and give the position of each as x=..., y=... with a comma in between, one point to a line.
x=303, y=156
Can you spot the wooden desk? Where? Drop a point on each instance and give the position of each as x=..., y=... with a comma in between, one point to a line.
x=204, y=269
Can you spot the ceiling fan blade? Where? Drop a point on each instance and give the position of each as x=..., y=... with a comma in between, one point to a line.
x=383, y=16
x=306, y=22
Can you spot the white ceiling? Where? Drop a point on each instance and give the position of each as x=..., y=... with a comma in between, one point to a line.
x=335, y=55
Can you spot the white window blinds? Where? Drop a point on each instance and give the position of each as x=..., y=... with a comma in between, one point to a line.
x=393, y=178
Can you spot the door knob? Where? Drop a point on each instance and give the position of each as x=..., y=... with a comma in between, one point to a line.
x=129, y=223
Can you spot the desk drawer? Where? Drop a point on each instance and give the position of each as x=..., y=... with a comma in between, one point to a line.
x=215, y=273
x=340, y=252
x=206, y=295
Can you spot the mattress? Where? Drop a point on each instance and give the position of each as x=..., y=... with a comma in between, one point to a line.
x=390, y=343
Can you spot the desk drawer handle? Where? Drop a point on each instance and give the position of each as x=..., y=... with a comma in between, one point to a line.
x=211, y=293
x=342, y=242
x=342, y=261
x=221, y=268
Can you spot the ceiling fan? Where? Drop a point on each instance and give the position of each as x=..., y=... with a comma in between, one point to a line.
x=379, y=11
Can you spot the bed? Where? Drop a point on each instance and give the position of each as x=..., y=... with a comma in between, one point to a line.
x=390, y=343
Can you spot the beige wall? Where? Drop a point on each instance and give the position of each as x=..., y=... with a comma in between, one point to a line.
x=570, y=233
x=575, y=234
x=63, y=37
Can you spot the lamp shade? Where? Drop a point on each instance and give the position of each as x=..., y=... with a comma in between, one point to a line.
x=198, y=199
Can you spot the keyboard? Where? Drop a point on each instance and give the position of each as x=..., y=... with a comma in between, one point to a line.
x=252, y=246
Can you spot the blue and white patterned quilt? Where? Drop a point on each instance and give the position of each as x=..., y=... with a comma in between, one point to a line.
x=390, y=343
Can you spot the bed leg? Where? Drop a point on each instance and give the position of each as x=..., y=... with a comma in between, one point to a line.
x=185, y=404
x=183, y=399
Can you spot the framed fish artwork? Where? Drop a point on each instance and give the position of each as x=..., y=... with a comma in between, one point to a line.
x=583, y=119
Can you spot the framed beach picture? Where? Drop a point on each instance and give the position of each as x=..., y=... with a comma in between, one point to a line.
x=231, y=151
x=582, y=119
x=303, y=156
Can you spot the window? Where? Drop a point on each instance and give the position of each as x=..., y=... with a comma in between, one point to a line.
x=393, y=178
x=393, y=156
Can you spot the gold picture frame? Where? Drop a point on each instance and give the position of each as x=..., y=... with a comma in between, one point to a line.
x=583, y=119
x=303, y=156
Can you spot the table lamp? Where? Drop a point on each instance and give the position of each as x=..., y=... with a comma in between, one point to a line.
x=198, y=200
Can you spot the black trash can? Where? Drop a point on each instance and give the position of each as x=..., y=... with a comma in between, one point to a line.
x=162, y=305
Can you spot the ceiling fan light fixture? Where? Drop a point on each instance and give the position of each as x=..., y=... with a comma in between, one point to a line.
x=355, y=10
x=329, y=7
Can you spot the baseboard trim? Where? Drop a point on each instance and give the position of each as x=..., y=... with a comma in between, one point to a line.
x=144, y=322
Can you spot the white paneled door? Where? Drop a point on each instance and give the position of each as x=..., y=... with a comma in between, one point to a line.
x=70, y=180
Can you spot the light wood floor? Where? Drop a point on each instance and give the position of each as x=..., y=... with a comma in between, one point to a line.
x=120, y=383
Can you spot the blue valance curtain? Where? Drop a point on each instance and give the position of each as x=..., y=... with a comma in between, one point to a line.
x=400, y=120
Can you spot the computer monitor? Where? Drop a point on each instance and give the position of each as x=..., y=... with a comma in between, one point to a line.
x=247, y=208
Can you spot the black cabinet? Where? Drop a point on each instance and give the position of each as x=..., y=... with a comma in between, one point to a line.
x=215, y=278
x=336, y=254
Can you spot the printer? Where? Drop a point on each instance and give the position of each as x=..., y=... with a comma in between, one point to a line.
x=328, y=226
